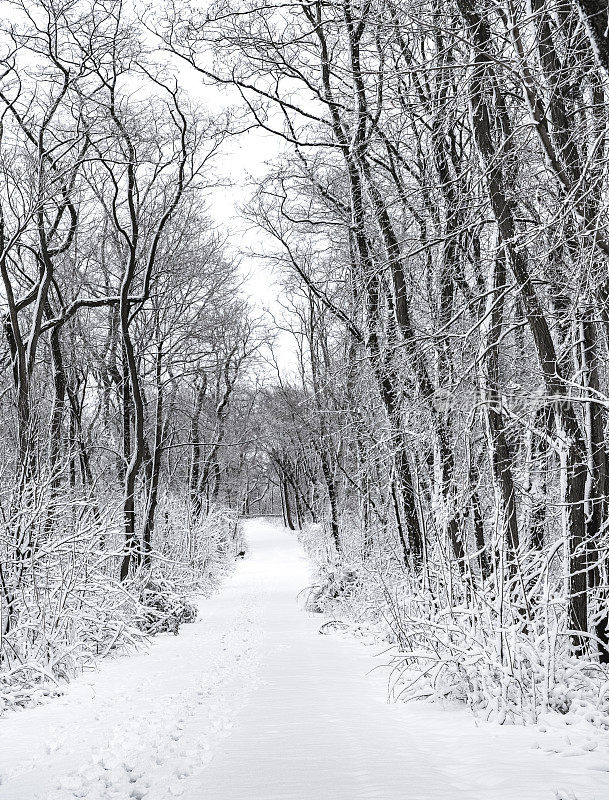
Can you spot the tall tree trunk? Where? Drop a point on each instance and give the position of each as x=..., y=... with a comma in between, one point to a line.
x=490, y=384
x=155, y=461
x=195, y=461
x=483, y=84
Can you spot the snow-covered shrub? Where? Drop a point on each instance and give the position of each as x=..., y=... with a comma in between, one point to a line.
x=192, y=554
x=195, y=552
x=337, y=583
x=62, y=606
x=487, y=656
x=314, y=541
x=462, y=639
x=164, y=609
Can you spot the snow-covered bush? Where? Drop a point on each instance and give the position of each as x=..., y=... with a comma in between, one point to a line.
x=63, y=606
x=195, y=552
x=485, y=655
x=337, y=583
x=462, y=639
x=192, y=555
x=164, y=609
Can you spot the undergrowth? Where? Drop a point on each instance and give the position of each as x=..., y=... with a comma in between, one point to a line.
x=66, y=608
x=463, y=643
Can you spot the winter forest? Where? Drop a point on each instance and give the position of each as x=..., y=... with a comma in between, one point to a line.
x=401, y=435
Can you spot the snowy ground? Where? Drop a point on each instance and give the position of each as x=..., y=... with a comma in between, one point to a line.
x=251, y=703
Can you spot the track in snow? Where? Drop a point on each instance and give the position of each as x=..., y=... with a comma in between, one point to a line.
x=251, y=703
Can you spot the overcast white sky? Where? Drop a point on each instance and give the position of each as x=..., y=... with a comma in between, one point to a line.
x=243, y=161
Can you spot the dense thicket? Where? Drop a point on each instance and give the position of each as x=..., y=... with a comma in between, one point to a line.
x=440, y=209
x=125, y=339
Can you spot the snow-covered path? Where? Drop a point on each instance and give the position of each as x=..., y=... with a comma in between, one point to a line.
x=251, y=703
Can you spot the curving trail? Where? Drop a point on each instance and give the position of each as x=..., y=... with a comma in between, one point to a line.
x=251, y=703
